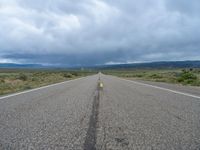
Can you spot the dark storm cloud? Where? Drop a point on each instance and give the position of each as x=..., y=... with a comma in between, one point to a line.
x=72, y=59
x=98, y=31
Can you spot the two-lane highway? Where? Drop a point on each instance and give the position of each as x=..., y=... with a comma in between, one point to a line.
x=122, y=115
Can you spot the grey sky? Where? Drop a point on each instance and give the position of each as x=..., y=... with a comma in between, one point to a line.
x=91, y=32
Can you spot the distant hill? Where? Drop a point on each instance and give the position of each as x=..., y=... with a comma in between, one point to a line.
x=153, y=65
x=13, y=65
x=156, y=65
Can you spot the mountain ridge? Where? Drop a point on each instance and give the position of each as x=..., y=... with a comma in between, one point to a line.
x=156, y=65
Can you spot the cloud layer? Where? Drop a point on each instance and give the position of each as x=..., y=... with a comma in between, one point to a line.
x=88, y=32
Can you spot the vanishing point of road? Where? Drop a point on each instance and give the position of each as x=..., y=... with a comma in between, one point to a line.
x=81, y=114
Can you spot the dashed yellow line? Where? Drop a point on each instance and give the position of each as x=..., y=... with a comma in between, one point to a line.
x=101, y=85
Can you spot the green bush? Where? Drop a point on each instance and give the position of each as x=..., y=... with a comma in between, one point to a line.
x=75, y=73
x=68, y=75
x=187, y=77
x=34, y=79
x=139, y=75
x=155, y=76
x=23, y=77
x=27, y=87
x=2, y=81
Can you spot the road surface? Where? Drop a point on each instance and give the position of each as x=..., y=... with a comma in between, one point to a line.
x=124, y=114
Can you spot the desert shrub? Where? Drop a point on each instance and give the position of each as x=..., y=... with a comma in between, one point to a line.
x=187, y=77
x=191, y=69
x=196, y=70
x=34, y=79
x=68, y=75
x=27, y=87
x=2, y=81
x=134, y=75
x=23, y=77
x=155, y=76
x=75, y=73
x=128, y=75
x=139, y=75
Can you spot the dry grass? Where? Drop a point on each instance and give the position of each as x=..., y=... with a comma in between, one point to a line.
x=18, y=80
x=179, y=76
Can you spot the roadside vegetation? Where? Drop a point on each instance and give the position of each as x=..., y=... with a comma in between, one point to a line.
x=178, y=76
x=15, y=80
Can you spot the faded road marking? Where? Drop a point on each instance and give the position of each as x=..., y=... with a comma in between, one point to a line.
x=101, y=85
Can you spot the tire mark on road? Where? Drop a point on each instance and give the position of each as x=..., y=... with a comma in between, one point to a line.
x=91, y=136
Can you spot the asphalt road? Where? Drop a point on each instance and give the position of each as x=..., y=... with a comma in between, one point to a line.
x=122, y=115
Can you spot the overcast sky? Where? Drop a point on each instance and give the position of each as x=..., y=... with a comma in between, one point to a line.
x=88, y=32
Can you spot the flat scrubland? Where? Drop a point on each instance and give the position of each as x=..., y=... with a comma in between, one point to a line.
x=15, y=80
x=188, y=76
